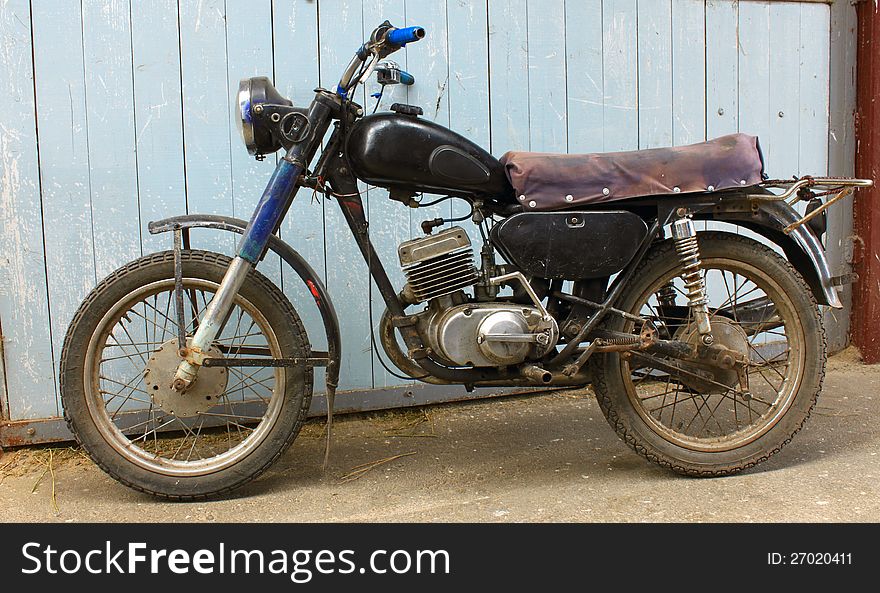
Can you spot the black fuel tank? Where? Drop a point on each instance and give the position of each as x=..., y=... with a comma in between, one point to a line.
x=570, y=245
x=393, y=150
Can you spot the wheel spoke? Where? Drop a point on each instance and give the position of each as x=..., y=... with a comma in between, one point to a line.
x=689, y=408
x=209, y=433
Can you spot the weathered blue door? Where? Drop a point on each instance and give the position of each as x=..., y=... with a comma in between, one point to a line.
x=118, y=112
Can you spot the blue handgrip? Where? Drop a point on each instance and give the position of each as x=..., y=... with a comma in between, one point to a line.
x=401, y=37
x=406, y=78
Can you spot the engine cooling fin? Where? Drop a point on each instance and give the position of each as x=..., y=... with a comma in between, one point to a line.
x=439, y=264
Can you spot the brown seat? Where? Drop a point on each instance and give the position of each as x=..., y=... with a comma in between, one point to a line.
x=558, y=181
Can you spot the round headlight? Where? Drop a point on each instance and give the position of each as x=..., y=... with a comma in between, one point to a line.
x=245, y=117
x=255, y=131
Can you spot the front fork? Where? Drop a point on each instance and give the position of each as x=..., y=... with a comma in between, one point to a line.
x=267, y=216
x=273, y=205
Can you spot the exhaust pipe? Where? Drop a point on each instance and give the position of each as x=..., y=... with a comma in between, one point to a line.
x=536, y=374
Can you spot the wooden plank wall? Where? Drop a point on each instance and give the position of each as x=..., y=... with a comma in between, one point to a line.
x=119, y=112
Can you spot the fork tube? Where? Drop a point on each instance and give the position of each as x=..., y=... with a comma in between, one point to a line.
x=273, y=205
x=276, y=199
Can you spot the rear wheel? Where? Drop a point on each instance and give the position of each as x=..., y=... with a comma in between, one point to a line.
x=760, y=307
x=119, y=357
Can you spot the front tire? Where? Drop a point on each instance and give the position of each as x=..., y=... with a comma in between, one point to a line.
x=745, y=432
x=134, y=427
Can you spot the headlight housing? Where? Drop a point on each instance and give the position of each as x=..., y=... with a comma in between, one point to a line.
x=257, y=131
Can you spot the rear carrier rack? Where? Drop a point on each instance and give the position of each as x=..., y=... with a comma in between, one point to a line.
x=810, y=189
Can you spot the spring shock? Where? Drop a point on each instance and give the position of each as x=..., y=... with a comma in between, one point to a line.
x=685, y=236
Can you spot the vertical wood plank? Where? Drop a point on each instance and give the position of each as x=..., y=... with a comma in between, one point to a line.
x=509, y=75
x=586, y=95
x=782, y=137
x=389, y=221
x=296, y=61
x=24, y=309
x=548, y=125
x=157, y=115
x=249, y=49
x=813, y=90
x=341, y=33
x=722, y=68
x=206, y=106
x=111, y=142
x=655, y=73
x=754, y=74
x=468, y=86
x=688, y=72
x=620, y=68
x=428, y=60
x=64, y=161
x=841, y=152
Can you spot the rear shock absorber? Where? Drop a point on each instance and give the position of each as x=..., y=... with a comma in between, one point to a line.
x=685, y=237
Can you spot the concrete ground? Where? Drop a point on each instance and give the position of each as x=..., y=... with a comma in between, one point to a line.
x=550, y=457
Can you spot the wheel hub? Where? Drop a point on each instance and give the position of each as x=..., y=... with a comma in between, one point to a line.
x=202, y=395
x=729, y=335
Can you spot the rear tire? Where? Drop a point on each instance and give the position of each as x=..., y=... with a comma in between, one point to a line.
x=627, y=411
x=121, y=451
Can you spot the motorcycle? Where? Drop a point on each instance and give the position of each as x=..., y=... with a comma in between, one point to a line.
x=186, y=373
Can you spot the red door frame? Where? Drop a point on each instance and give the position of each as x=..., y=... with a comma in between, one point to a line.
x=866, y=210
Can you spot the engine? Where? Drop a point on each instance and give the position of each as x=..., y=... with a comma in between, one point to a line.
x=463, y=333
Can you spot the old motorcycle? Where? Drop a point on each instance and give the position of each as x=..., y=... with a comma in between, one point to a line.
x=187, y=373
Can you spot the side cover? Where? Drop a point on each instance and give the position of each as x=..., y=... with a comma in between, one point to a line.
x=570, y=245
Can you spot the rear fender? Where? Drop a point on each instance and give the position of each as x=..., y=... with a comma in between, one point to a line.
x=801, y=247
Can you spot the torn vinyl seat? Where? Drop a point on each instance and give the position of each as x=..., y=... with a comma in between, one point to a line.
x=545, y=181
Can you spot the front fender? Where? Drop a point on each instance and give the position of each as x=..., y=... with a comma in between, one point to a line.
x=292, y=258
x=801, y=247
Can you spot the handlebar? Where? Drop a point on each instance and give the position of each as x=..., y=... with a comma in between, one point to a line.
x=401, y=37
x=379, y=46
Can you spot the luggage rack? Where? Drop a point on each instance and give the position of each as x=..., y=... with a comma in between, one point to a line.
x=804, y=189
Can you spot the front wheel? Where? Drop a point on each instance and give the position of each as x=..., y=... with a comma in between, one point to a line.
x=760, y=307
x=119, y=359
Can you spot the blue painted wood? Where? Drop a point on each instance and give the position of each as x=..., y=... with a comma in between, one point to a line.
x=249, y=51
x=64, y=162
x=111, y=133
x=722, y=68
x=722, y=72
x=157, y=116
x=295, y=42
x=754, y=72
x=688, y=72
x=586, y=80
x=468, y=86
x=781, y=137
x=509, y=75
x=813, y=90
x=206, y=107
x=389, y=221
x=429, y=61
x=341, y=33
x=548, y=124
x=24, y=308
x=655, y=73
x=620, y=68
